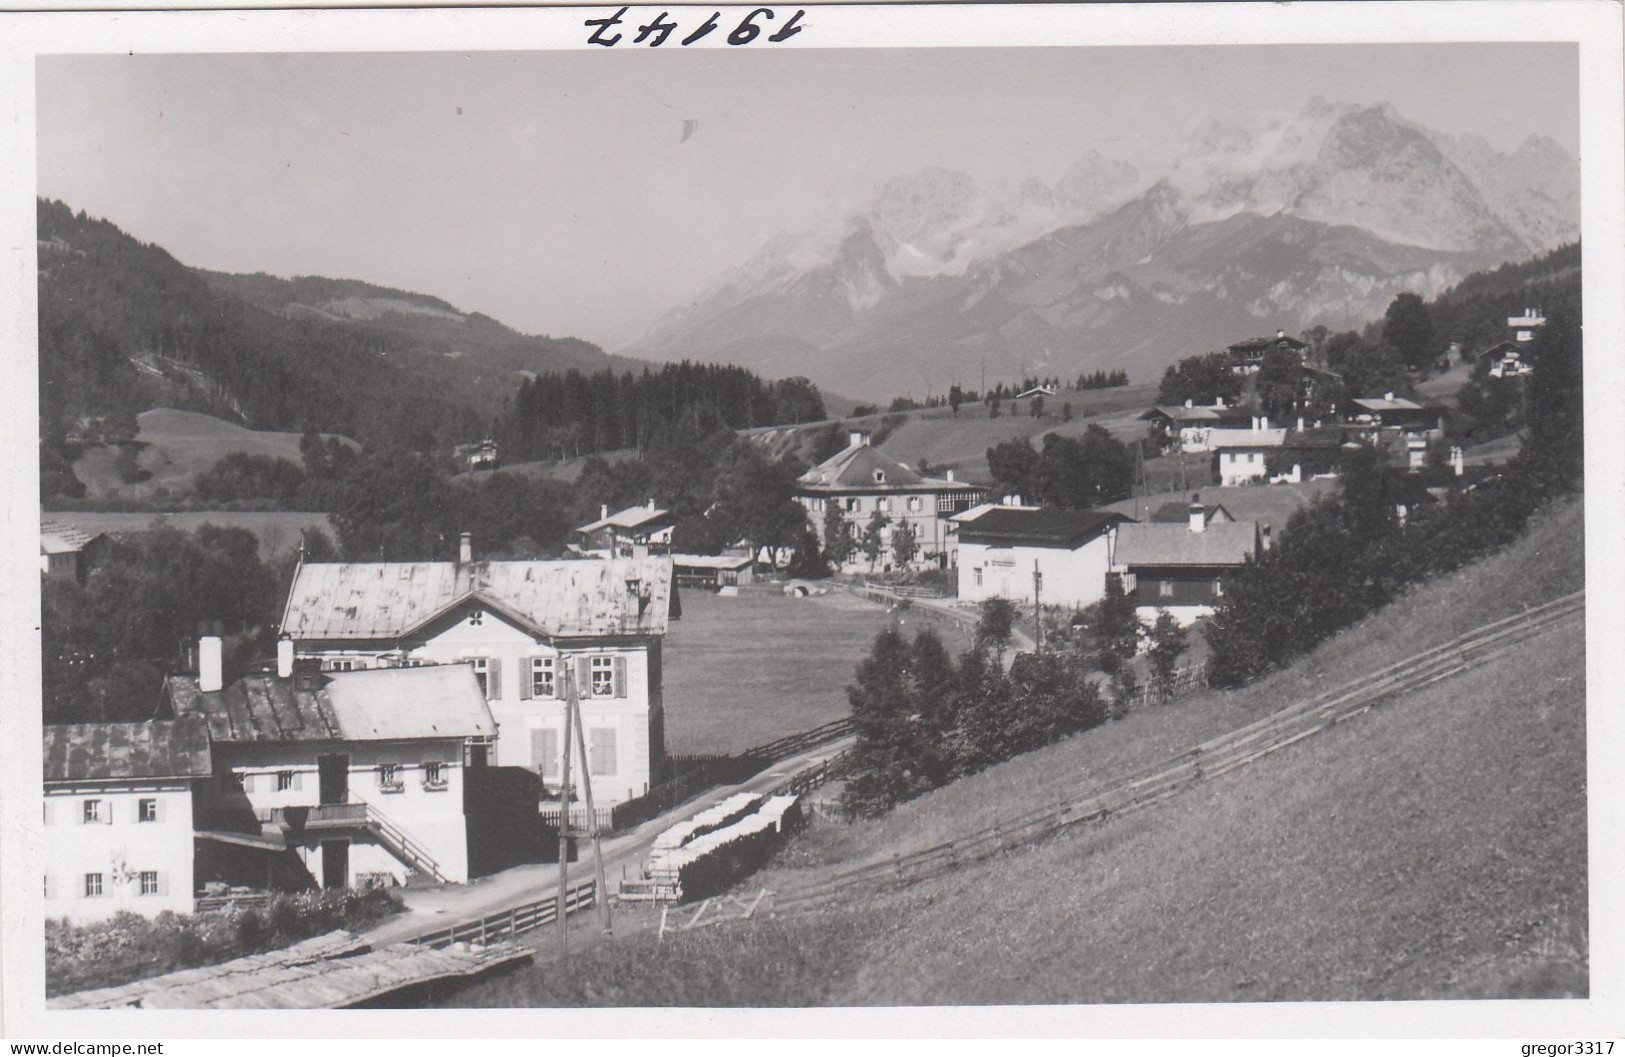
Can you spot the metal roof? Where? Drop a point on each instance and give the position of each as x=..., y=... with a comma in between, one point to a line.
x=630, y=518
x=111, y=751
x=57, y=538
x=1381, y=403
x=1180, y=513
x=852, y=469
x=392, y=600
x=1044, y=526
x=388, y=704
x=1158, y=544
x=1246, y=438
x=711, y=561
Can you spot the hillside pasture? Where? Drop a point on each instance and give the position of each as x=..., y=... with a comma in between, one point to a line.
x=175, y=447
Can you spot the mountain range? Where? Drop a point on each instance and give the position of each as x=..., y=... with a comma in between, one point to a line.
x=1318, y=217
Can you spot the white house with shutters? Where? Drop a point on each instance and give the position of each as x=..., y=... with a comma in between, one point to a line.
x=515, y=625
x=118, y=817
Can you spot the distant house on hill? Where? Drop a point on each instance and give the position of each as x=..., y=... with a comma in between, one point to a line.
x=862, y=481
x=480, y=456
x=1181, y=568
x=67, y=553
x=118, y=817
x=635, y=532
x=516, y=625
x=1246, y=357
x=1187, y=428
x=358, y=774
x=1508, y=360
x=1037, y=390
x=1242, y=454
x=1007, y=551
x=1524, y=327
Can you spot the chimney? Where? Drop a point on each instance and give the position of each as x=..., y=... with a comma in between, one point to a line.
x=1300, y=423
x=950, y=475
x=651, y=502
x=1198, y=514
x=1220, y=402
x=857, y=439
x=1457, y=462
x=1280, y=333
x=284, y=657
x=603, y=511
x=1264, y=422
x=465, y=548
x=1387, y=396
x=1255, y=421
x=1190, y=403
x=210, y=676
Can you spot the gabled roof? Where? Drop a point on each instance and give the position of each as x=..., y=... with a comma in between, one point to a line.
x=1047, y=526
x=633, y=517
x=113, y=751
x=1382, y=403
x=1180, y=513
x=711, y=561
x=1257, y=344
x=853, y=469
x=57, y=538
x=392, y=600
x=1504, y=348
x=390, y=704
x=1246, y=438
x=1220, y=544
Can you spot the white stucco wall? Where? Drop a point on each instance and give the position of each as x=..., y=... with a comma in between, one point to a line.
x=931, y=532
x=119, y=849
x=1185, y=615
x=1235, y=467
x=1070, y=577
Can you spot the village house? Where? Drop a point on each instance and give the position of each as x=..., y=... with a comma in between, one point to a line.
x=861, y=481
x=1241, y=455
x=1188, y=428
x=516, y=625
x=1008, y=551
x=481, y=456
x=66, y=552
x=1246, y=357
x=118, y=816
x=359, y=774
x=1181, y=568
x=1506, y=360
x=712, y=572
x=635, y=532
x=1523, y=327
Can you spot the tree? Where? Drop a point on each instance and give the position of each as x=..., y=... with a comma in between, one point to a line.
x=1116, y=627
x=1038, y=406
x=837, y=537
x=905, y=543
x=1066, y=412
x=1556, y=402
x=806, y=561
x=1167, y=646
x=956, y=396
x=898, y=711
x=993, y=408
x=1407, y=328
x=1201, y=380
x=874, y=538
x=996, y=624
x=1014, y=465
x=1279, y=384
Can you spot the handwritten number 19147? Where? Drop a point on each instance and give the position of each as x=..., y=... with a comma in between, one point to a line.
x=656, y=32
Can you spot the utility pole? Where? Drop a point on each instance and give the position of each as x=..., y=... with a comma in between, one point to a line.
x=560, y=913
x=601, y=893
x=1038, y=611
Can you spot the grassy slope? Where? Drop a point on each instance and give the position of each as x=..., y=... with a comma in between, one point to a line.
x=1433, y=848
x=278, y=531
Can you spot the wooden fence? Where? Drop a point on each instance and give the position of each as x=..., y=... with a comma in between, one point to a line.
x=1185, y=681
x=1228, y=751
x=511, y=922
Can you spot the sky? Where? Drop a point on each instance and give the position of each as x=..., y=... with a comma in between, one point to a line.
x=554, y=192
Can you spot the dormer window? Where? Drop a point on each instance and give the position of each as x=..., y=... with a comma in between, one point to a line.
x=880, y=477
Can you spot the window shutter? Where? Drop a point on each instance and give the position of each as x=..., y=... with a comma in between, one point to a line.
x=544, y=750
x=620, y=677
x=107, y=812
x=603, y=751
x=298, y=781
x=527, y=677
x=493, y=680
x=248, y=783
x=584, y=676
x=50, y=812
x=163, y=882
x=159, y=810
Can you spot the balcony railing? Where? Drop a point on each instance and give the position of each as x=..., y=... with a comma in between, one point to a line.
x=315, y=815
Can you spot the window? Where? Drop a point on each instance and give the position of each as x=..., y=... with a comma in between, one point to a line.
x=93, y=811
x=915, y=504
x=976, y=575
x=434, y=774
x=149, y=882
x=880, y=477
x=603, y=677
x=544, y=750
x=93, y=885
x=853, y=505
x=541, y=677
x=341, y=666
x=482, y=675
x=883, y=504
x=1165, y=588
x=477, y=617
x=389, y=777
x=286, y=780
x=147, y=810
x=1218, y=588
x=602, y=751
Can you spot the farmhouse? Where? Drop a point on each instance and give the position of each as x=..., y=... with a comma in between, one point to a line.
x=635, y=532
x=861, y=482
x=1006, y=551
x=67, y=553
x=118, y=816
x=1389, y=412
x=515, y=625
x=359, y=773
x=1181, y=568
x=1242, y=453
x=1507, y=360
x=1246, y=357
x=1187, y=428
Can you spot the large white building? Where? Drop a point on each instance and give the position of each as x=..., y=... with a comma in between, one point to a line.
x=515, y=625
x=1010, y=551
x=118, y=817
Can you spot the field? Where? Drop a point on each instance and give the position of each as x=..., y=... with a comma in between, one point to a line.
x=278, y=530
x=1433, y=848
x=743, y=671
x=176, y=446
